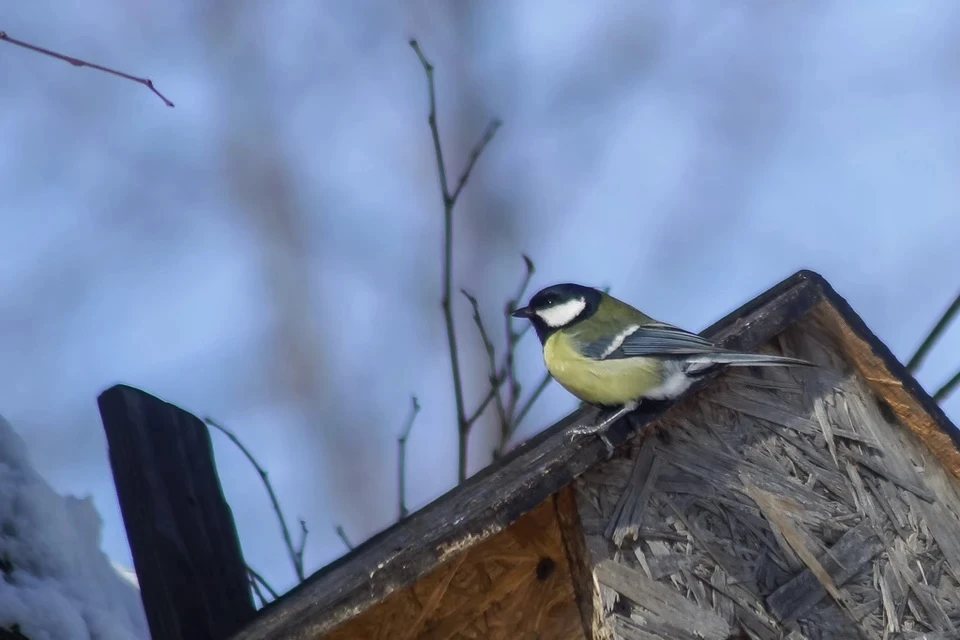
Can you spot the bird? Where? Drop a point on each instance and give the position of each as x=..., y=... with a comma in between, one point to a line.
x=613, y=356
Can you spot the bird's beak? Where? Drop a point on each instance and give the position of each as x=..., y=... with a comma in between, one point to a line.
x=522, y=312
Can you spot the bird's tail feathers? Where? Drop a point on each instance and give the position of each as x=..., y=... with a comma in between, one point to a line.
x=734, y=359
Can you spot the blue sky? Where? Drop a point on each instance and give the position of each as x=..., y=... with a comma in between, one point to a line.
x=268, y=252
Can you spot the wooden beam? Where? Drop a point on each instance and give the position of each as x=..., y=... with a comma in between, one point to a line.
x=193, y=580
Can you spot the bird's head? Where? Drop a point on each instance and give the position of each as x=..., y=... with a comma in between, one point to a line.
x=559, y=306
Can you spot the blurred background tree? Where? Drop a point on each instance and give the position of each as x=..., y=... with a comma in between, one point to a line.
x=268, y=252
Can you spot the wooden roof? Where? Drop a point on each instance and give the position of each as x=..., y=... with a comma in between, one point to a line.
x=498, y=495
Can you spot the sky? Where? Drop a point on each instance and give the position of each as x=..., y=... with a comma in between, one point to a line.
x=268, y=252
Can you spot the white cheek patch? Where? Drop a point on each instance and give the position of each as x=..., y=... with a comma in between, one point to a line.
x=563, y=314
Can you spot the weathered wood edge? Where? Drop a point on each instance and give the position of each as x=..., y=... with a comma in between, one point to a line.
x=182, y=535
x=901, y=391
x=575, y=548
x=496, y=496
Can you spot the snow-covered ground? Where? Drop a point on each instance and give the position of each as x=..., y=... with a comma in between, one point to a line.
x=57, y=584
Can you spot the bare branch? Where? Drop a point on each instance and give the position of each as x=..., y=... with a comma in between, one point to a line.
x=485, y=139
x=914, y=363
x=947, y=388
x=449, y=200
x=402, y=454
x=255, y=579
x=303, y=542
x=492, y=363
x=343, y=536
x=77, y=62
x=462, y=426
x=295, y=557
x=513, y=337
x=525, y=409
x=255, y=587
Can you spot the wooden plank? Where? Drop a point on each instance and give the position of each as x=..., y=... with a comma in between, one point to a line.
x=193, y=580
x=495, y=497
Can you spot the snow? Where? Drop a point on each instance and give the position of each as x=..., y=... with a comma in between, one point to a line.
x=56, y=582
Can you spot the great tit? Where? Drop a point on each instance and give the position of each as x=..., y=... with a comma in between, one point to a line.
x=611, y=355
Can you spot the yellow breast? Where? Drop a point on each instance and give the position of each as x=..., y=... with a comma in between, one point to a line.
x=602, y=382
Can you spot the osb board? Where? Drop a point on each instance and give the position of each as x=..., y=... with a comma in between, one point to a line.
x=515, y=585
x=783, y=503
x=892, y=388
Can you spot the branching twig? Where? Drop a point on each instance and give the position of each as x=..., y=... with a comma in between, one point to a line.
x=492, y=362
x=513, y=340
x=343, y=536
x=255, y=587
x=508, y=414
x=947, y=388
x=449, y=200
x=303, y=543
x=77, y=62
x=255, y=579
x=934, y=335
x=485, y=139
x=513, y=337
x=525, y=409
x=402, y=454
x=296, y=556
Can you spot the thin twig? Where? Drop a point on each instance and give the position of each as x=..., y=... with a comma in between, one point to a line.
x=492, y=362
x=934, y=335
x=449, y=200
x=525, y=409
x=501, y=378
x=402, y=454
x=485, y=139
x=947, y=388
x=295, y=558
x=255, y=587
x=513, y=337
x=503, y=373
x=462, y=428
x=509, y=417
x=256, y=577
x=77, y=62
x=343, y=536
x=303, y=542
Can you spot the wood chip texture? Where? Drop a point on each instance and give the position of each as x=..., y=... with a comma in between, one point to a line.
x=777, y=503
x=515, y=585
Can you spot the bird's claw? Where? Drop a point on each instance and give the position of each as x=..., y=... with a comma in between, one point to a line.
x=601, y=427
x=590, y=429
x=586, y=429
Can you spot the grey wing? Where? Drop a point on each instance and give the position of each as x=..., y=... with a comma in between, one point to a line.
x=652, y=340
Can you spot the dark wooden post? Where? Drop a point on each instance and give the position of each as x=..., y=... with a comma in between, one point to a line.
x=193, y=580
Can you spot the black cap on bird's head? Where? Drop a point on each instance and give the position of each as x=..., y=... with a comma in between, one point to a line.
x=559, y=306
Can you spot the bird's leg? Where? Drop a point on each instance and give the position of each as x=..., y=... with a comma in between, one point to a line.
x=601, y=427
